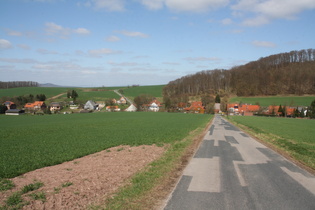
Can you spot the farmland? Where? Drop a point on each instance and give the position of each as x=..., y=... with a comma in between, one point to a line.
x=31, y=142
x=275, y=100
x=95, y=94
x=294, y=136
x=154, y=90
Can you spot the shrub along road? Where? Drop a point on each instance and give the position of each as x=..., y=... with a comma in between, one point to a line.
x=231, y=170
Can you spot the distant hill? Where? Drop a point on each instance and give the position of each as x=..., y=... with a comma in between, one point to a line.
x=49, y=85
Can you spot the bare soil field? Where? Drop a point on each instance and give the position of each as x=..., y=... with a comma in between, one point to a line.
x=86, y=181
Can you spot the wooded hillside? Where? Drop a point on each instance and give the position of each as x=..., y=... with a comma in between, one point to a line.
x=285, y=73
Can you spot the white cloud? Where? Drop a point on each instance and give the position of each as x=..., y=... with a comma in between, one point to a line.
x=82, y=31
x=46, y=52
x=13, y=33
x=267, y=10
x=263, y=44
x=153, y=4
x=123, y=63
x=171, y=63
x=227, y=21
x=62, y=32
x=17, y=60
x=133, y=34
x=196, y=5
x=5, y=44
x=24, y=46
x=113, y=39
x=101, y=52
x=110, y=5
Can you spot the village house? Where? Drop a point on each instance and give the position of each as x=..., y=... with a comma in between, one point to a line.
x=55, y=106
x=112, y=109
x=181, y=106
x=243, y=109
x=196, y=107
x=122, y=100
x=14, y=112
x=131, y=108
x=37, y=105
x=90, y=105
x=154, y=106
x=10, y=105
x=273, y=110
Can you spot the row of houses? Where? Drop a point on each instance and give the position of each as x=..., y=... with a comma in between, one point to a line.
x=249, y=110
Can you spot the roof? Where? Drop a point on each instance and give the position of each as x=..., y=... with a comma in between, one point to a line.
x=8, y=103
x=196, y=105
x=36, y=103
x=91, y=102
x=14, y=111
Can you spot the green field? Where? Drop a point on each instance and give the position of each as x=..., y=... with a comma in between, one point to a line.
x=31, y=142
x=296, y=136
x=155, y=90
x=95, y=94
x=275, y=100
x=49, y=92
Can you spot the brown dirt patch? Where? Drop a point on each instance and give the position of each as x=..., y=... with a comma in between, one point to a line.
x=94, y=177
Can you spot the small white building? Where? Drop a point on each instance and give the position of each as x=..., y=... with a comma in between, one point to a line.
x=90, y=105
x=131, y=108
x=154, y=107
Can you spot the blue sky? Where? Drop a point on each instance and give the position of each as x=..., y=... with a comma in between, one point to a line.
x=145, y=42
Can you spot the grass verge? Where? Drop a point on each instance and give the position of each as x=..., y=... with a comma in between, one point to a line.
x=296, y=148
x=149, y=188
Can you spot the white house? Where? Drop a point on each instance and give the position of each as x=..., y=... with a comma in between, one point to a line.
x=154, y=107
x=131, y=108
x=90, y=105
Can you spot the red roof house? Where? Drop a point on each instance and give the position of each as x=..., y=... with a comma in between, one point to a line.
x=36, y=105
x=196, y=107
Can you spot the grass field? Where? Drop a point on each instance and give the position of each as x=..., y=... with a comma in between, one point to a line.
x=49, y=92
x=295, y=136
x=31, y=142
x=275, y=100
x=95, y=94
x=155, y=90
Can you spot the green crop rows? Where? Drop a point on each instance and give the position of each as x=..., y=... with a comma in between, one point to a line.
x=31, y=142
x=296, y=136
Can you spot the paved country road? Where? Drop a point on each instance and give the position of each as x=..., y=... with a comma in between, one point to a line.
x=231, y=170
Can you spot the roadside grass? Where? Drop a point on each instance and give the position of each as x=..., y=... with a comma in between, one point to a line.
x=156, y=180
x=6, y=184
x=32, y=142
x=295, y=137
x=275, y=100
x=16, y=201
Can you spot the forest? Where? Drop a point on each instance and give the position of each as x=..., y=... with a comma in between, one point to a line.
x=15, y=84
x=284, y=73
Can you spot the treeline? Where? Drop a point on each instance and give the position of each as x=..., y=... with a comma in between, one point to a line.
x=285, y=73
x=15, y=84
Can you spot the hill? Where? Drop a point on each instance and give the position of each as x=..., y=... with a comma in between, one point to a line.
x=284, y=73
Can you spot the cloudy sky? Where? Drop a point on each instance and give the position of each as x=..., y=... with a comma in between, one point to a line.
x=145, y=42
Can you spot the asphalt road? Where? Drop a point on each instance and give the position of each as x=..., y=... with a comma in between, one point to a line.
x=231, y=170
